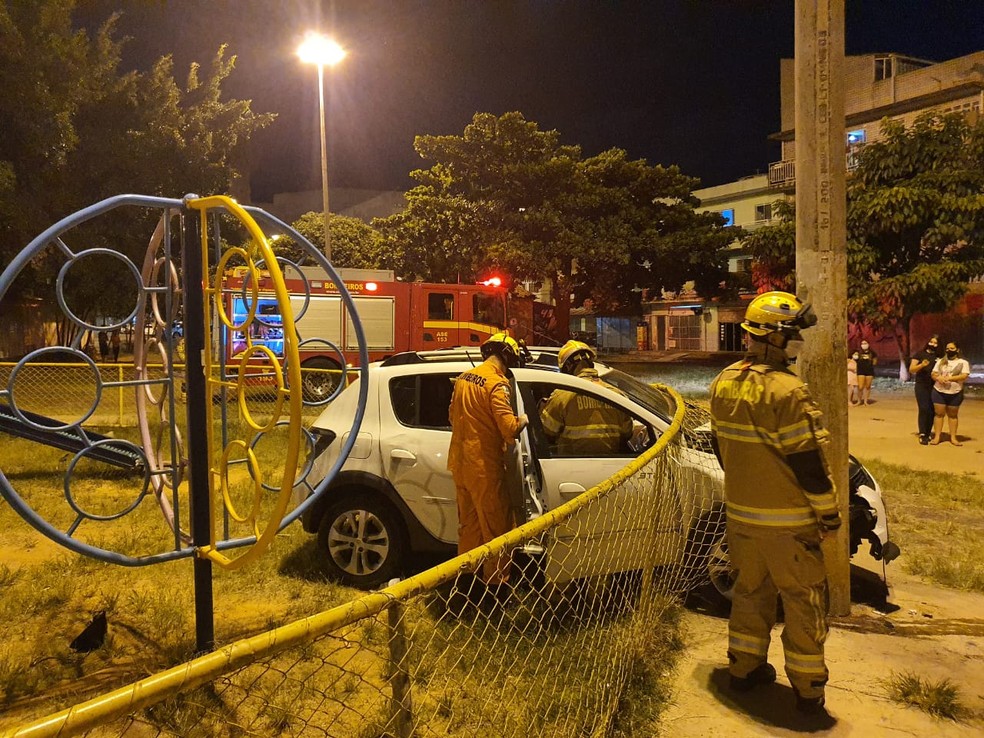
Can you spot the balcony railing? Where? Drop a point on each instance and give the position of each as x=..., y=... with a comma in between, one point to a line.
x=783, y=173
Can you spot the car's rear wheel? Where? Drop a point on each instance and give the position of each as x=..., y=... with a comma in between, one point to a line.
x=363, y=539
x=719, y=569
x=706, y=534
x=320, y=378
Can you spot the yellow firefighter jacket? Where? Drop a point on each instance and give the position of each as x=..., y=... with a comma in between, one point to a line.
x=482, y=421
x=760, y=415
x=584, y=425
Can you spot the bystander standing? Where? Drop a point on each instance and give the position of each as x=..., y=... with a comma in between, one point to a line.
x=921, y=368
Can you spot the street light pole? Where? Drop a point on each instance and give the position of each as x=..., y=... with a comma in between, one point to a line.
x=324, y=159
x=322, y=51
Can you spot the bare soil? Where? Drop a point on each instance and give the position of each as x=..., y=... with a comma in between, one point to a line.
x=932, y=632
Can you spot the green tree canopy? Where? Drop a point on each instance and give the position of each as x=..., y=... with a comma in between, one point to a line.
x=75, y=129
x=915, y=221
x=354, y=244
x=506, y=196
x=773, y=250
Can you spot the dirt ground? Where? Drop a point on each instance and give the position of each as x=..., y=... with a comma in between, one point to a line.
x=930, y=631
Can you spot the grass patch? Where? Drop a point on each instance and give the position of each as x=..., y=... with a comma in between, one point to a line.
x=648, y=690
x=941, y=699
x=938, y=520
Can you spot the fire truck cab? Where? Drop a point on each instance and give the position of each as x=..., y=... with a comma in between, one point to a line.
x=396, y=316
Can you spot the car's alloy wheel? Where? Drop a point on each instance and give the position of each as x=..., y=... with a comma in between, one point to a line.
x=363, y=540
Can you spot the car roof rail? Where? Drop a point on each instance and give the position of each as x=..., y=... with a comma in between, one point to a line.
x=456, y=353
x=402, y=358
x=542, y=356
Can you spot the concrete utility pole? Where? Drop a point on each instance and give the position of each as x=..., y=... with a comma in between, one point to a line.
x=821, y=246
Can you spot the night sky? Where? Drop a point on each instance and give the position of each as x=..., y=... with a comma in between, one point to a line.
x=687, y=82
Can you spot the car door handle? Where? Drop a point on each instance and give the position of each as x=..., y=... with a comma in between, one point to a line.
x=570, y=490
x=402, y=453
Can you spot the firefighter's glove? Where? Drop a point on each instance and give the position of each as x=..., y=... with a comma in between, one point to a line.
x=830, y=523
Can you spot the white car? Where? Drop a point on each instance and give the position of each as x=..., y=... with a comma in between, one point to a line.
x=394, y=495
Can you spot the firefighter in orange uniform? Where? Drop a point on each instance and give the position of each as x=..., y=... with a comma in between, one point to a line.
x=770, y=439
x=483, y=425
x=581, y=425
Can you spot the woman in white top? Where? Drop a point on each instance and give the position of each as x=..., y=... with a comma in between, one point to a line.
x=949, y=375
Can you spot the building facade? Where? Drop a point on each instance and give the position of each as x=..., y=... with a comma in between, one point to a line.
x=879, y=86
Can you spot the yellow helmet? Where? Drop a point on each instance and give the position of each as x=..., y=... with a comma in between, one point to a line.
x=773, y=312
x=503, y=345
x=574, y=350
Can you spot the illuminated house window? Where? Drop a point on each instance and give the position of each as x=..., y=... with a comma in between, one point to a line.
x=729, y=216
x=855, y=137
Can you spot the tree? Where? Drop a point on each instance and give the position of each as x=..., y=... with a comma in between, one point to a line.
x=773, y=250
x=915, y=222
x=74, y=129
x=354, y=244
x=507, y=196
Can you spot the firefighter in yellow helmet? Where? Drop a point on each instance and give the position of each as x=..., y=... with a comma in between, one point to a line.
x=770, y=439
x=580, y=424
x=483, y=425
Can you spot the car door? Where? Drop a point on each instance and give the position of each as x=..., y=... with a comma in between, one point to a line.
x=414, y=440
x=617, y=533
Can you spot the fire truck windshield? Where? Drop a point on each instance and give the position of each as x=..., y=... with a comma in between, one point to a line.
x=489, y=309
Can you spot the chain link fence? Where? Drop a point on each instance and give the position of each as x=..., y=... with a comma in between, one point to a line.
x=102, y=394
x=550, y=653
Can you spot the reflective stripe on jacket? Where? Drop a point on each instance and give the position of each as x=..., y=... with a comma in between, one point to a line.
x=761, y=414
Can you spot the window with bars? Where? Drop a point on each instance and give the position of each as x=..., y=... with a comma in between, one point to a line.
x=684, y=332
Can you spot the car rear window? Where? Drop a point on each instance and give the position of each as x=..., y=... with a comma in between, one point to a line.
x=422, y=401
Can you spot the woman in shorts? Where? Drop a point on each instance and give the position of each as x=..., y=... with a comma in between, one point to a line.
x=949, y=375
x=866, y=360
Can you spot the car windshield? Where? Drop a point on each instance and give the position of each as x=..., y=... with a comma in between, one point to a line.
x=646, y=395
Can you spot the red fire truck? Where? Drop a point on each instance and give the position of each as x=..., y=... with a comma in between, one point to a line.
x=396, y=316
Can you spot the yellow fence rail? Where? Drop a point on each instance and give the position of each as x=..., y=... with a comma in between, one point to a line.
x=549, y=654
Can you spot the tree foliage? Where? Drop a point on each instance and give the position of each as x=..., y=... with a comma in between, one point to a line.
x=75, y=128
x=354, y=244
x=509, y=197
x=773, y=250
x=915, y=221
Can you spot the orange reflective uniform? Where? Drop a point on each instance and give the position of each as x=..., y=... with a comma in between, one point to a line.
x=483, y=425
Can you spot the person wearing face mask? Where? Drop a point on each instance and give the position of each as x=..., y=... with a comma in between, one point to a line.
x=921, y=369
x=949, y=375
x=769, y=437
x=867, y=359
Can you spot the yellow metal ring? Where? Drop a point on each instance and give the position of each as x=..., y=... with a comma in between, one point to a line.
x=278, y=374
x=292, y=365
x=254, y=280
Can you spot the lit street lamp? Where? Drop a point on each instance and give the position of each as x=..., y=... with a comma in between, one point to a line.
x=321, y=50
